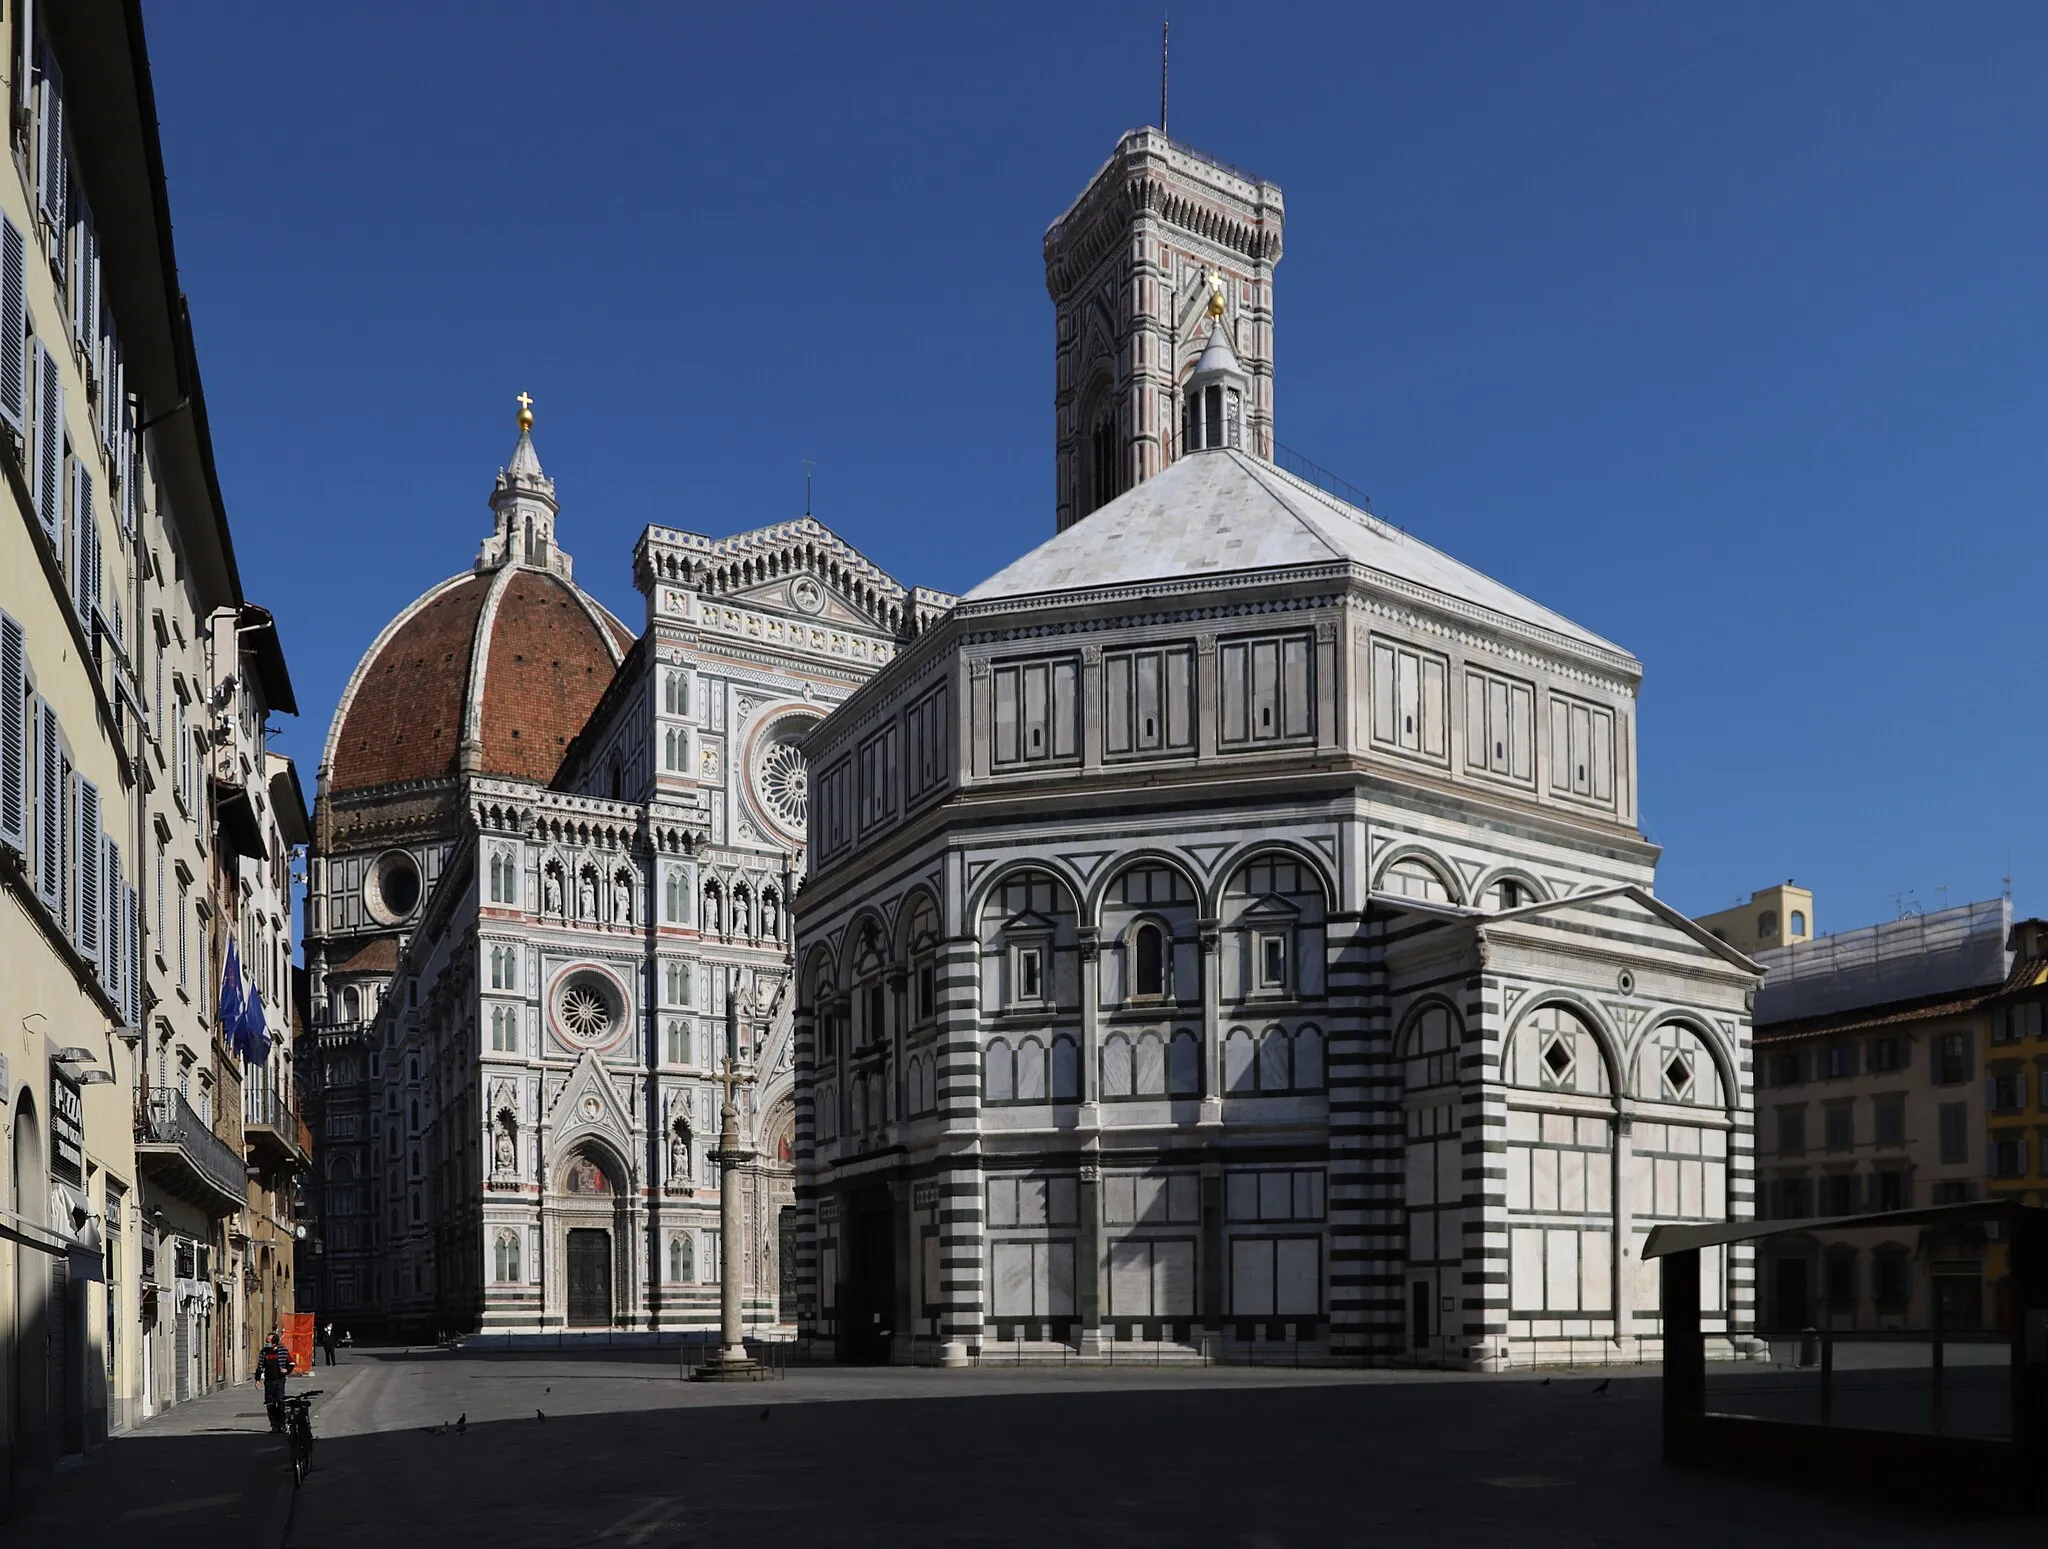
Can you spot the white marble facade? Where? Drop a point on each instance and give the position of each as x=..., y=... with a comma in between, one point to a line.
x=1230, y=926
x=531, y=1086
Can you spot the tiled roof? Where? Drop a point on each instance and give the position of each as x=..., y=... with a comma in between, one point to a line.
x=377, y=955
x=2027, y=973
x=550, y=654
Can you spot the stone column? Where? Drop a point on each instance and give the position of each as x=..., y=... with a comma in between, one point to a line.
x=1210, y=934
x=731, y=1363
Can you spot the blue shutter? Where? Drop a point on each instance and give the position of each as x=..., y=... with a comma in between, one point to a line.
x=13, y=326
x=89, y=898
x=13, y=735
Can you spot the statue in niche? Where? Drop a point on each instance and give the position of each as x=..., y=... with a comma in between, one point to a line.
x=679, y=1154
x=771, y=918
x=740, y=911
x=622, y=899
x=586, y=895
x=551, y=892
x=711, y=910
x=507, y=1154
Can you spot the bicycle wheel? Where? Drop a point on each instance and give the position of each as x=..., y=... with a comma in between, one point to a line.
x=299, y=1463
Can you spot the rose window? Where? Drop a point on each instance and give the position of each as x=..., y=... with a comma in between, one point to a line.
x=585, y=1009
x=784, y=785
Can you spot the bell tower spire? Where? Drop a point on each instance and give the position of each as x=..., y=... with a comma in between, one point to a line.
x=1157, y=239
x=523, y=503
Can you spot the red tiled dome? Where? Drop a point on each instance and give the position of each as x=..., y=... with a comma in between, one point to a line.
x=548, y=654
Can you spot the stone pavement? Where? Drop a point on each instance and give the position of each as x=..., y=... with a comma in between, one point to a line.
x=206, y=1472
x=629, y=1454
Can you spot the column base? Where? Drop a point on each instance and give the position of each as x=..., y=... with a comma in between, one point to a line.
x=724, y=1368
x=953, y=1353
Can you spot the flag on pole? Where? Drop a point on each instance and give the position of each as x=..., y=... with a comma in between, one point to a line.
x=233, y=1004
x=255, y=1039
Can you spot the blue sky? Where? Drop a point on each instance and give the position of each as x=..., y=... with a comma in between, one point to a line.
x=1721, y=329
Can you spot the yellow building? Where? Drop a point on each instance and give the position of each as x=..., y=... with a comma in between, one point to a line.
x=123, y=1178
x=1773, y=917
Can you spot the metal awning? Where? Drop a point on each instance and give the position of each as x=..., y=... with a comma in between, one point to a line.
x=239, y=824
x=32, y=1234
x=1665, y=1240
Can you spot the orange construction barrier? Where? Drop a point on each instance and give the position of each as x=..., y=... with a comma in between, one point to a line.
x=298, y=1339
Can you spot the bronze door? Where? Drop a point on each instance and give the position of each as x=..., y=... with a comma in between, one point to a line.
x=590, y=1279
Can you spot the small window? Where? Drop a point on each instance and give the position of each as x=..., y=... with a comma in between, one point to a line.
x=927, y=991
x=1767, y=925
x=1149, y=972
x=1272, y=960
x=1030, y=974
x=1798, y=922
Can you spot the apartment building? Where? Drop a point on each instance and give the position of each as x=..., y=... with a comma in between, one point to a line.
x=2016, y=1091
x=125, y=644
x=1871, y=1050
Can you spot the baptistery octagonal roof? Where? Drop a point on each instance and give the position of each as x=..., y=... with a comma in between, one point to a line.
x=1224, y=512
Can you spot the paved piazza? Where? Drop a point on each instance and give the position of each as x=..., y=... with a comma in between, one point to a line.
x=629, y=1454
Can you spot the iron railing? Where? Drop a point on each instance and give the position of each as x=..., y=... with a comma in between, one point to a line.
x=168, y=1120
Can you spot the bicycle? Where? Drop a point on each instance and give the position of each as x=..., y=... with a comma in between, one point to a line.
x=298, y=1430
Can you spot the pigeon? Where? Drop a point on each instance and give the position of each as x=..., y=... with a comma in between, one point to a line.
x=766, y=1413
x=1601, y=1391
x=547, y=1390
x=538, y=1415
x=1546, y=1382
x=462, y=1424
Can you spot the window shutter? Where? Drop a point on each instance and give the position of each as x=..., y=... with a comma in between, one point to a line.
x=89, y=900
x=49, y=462
x=134, y=969
x=49, y=810
x=84, y=308
x=13, y=735
x=13, y=326
x=51, y=181
x=114, y=960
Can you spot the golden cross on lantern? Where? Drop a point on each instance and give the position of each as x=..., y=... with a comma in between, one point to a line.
x=1216, y=302
x=525, y=403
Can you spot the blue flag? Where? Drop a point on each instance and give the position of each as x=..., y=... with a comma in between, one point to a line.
x=233, y=1004
x=255, y=1035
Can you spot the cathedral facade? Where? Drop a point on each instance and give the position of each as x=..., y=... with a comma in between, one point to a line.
x=1229, y=924
x=550, y=892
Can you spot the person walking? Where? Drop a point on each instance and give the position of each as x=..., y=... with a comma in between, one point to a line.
x=272, y=1367
x=327, y=1340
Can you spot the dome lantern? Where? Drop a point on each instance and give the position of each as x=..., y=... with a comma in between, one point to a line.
x=523, y=502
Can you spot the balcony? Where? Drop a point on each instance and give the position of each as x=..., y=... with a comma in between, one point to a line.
x=271, y=1125
x=186, y=1158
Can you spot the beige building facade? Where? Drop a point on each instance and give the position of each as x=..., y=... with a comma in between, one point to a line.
x=1872, y=1050
x=1774, y=917
x=126, y=649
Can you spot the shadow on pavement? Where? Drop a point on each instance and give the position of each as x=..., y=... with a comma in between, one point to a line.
x=1534, y=1464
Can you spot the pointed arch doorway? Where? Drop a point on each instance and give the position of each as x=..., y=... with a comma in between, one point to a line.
x=591, y=1197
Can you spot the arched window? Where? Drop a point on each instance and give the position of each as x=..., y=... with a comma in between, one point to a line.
x=1767, y=925
x=675, y=747
x=507, y=1265
x=676, y=897
x=1798, y=922
x=1430, y=1051
x=1066, y=1071
x=675, y=694
x=682, y=1258
x=1030, y=1071
x=351, y=1004
x=1412, y=877
x=998, y=1074
x=1116, y=1066
x=1184, y=1066
x=1149, y=955
x=1240, y=1064
x=1105, y=471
